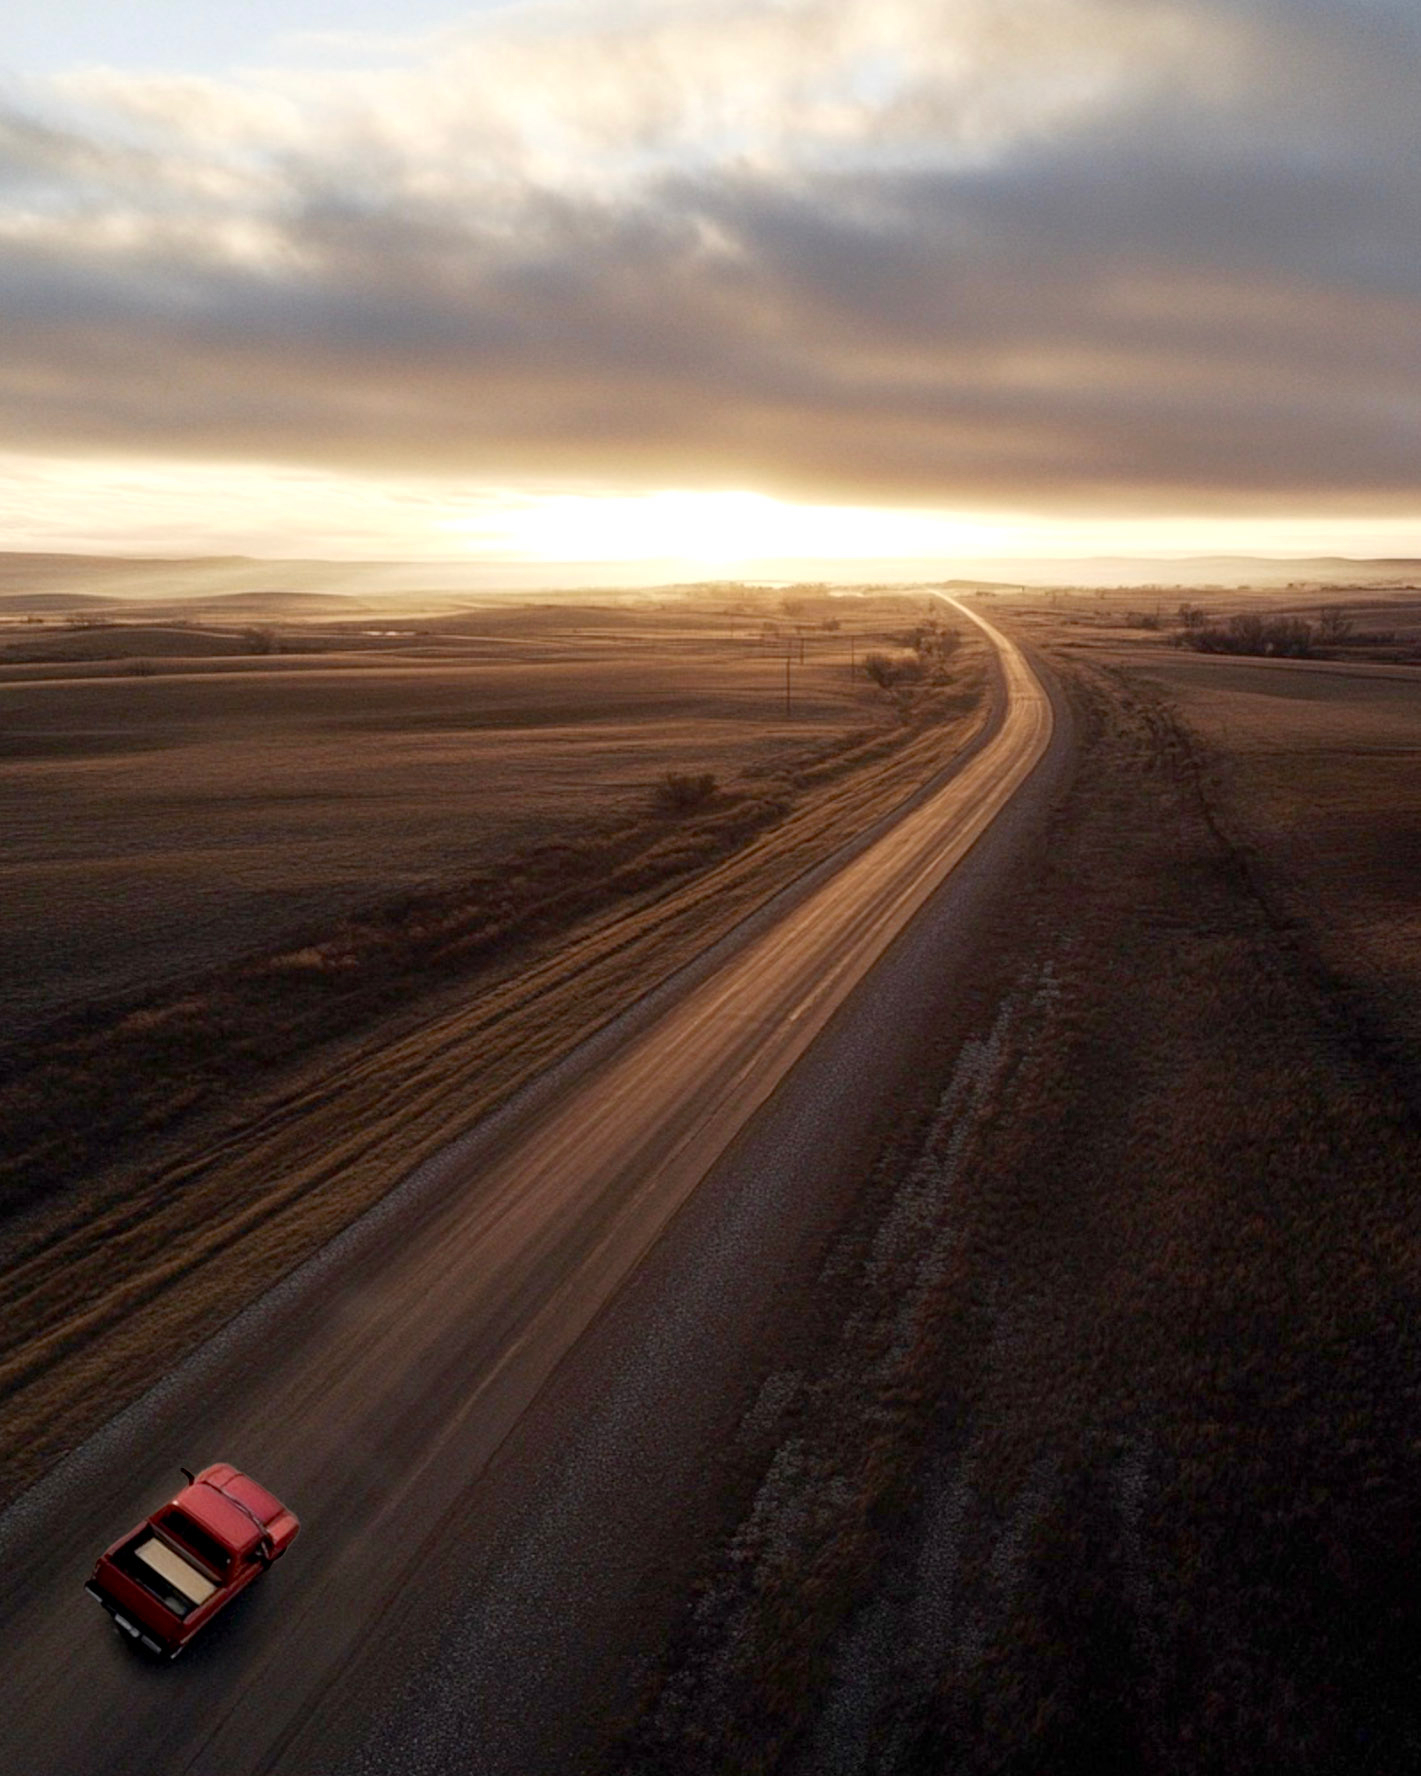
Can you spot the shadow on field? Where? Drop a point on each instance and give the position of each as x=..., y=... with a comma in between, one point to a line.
x=1114, y=1464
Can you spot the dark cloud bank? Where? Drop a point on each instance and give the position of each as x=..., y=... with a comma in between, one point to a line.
x=1202, y=288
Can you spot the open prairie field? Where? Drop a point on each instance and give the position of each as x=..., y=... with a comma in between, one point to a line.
x=1383, y=626
x=1312, y=767
x=1315, y=771
x=161, y=823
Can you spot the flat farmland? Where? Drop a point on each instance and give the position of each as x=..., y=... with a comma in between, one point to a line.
x=155, y=825
x=1316, y=771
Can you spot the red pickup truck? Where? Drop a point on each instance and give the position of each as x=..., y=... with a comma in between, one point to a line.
x=164, y=1581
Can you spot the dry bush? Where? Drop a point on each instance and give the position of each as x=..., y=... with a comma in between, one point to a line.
x=1284, y=638
x=682, y=792
x=888, y=670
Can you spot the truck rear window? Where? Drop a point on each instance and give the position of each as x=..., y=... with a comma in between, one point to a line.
x=192, y=1535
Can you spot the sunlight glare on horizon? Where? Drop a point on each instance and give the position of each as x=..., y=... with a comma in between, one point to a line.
x=173, y=507
x=718, y=530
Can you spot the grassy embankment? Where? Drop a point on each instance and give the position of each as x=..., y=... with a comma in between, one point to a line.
x=167, y=1159
x=1112, y=1462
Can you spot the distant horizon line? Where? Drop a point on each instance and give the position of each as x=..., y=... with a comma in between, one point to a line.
x=485, y=565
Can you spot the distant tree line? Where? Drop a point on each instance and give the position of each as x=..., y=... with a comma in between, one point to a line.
x=1249, y=632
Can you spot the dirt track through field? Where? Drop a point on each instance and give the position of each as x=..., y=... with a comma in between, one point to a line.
x=113, y=1280
x=114, y=1276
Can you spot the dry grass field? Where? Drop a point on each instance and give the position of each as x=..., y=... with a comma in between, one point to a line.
x=1316, y=770
x=1312, y=769
x=156, y=825
x=1109, y=1457
x=1361, y=623
x=342, y=912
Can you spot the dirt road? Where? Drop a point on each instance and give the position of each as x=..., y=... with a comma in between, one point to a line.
x=376, y=1387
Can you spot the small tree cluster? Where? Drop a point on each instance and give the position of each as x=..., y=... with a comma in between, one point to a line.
x=887, y=670
x=1284, y=638
x=681, y=792
x=930, y=640
x=1334, y=626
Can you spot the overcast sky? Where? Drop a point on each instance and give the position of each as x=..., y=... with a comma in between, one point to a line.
x=702, y=281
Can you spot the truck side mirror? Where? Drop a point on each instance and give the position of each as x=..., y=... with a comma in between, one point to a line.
x=187, y=1474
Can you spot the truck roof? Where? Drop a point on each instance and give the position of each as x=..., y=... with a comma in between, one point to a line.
x=246, y=1492
x=220, y=1516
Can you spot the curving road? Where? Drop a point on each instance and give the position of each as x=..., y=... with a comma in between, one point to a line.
x=374, y=1388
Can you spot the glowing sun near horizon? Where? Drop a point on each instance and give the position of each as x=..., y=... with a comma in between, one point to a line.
x=716, y=531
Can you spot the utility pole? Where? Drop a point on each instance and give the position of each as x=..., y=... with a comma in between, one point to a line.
x=788, y=657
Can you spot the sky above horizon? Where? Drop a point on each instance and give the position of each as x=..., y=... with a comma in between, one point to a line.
x=707, y=287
